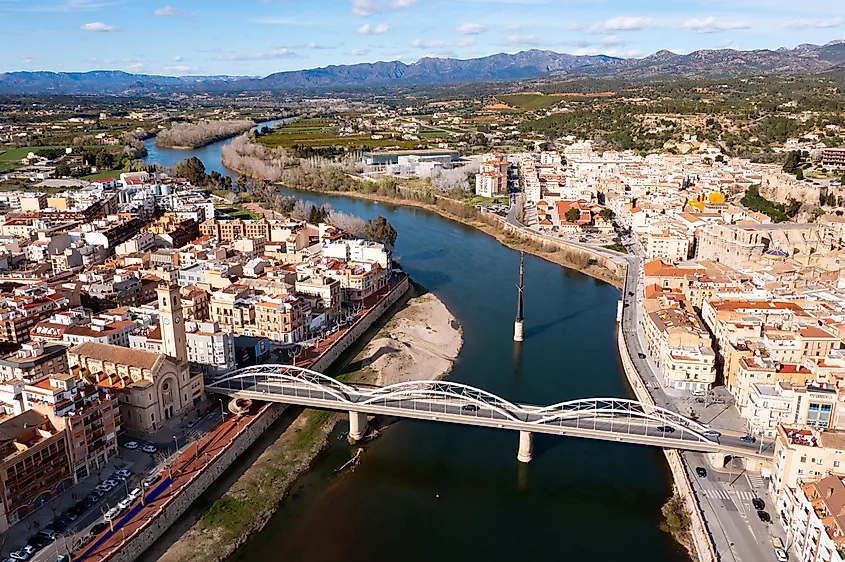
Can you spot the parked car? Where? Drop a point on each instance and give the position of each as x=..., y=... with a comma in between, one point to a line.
x=124, y=503
x=99, y=528
x=48, y=533
x=150, y=480
x=747, y=439
x=151, y=449
x=59, y=524
x=112, y=482
x=135, y=494
x=131, y=445
x=70, y=516
x=701, y=471
x=106, y=486
x=764, y=516
x=780, y=554
x=758, y=504
x=698, y=393
x=112, y=514
x=97, y=493
x=123, y=474
x=20, y=555
x=38, y=541
x=192, y=423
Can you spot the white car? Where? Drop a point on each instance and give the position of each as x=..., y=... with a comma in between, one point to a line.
x=780, y=554
x=111, y=514
x=125, y=503
x=131, y=445
x=698, y=393
x=135, y=494
x=151, y=449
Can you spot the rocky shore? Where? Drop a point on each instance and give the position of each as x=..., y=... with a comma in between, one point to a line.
x=421, y=341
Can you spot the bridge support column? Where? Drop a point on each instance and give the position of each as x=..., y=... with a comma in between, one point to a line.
x=526, y=446
x=357, y=425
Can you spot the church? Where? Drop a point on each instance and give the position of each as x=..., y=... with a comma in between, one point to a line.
x=151, y=387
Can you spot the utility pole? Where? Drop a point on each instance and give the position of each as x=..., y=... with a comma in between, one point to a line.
x=517, y=325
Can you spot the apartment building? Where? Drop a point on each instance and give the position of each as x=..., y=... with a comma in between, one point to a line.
x=35, y=467
x=235, y=229
x=34, y=360
x=89, y=415
x=813, y=516
x=102, y=330
x=280, y=318
x=802, y=454
x=769, y=405
x=671, y=244
x=681, y=347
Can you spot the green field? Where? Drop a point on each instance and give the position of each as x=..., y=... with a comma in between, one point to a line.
x=529, y=101
x=106, y=174
x=238, y=212
x=323, y=140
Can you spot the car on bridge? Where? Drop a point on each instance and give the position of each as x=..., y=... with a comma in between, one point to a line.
x=665, y=429
x=469, y=408
x=711, y=433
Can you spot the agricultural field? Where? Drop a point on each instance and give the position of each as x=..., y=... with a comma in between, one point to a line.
x=529, y=101
x=10, y=158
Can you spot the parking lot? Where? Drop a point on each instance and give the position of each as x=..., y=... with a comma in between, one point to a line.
x=78, y=515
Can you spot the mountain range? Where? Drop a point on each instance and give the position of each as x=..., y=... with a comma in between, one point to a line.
x=804, y=59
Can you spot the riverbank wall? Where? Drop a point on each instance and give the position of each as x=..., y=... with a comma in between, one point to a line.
x=132, y=547
x=702, y=548
x=168, y=513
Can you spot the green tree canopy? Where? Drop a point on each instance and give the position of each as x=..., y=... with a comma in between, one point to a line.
x=572, y=215
x=380, y=230
x=193, y=170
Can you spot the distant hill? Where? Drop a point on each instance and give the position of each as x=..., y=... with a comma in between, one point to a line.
x=804, y=59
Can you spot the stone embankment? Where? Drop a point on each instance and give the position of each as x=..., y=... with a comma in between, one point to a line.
x=701, y=547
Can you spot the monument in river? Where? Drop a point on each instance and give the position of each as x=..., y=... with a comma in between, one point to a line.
x=517, y=325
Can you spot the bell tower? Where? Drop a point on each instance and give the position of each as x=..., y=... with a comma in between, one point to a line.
x=171, y=322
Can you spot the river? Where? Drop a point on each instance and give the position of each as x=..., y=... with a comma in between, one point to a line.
x=428, y=491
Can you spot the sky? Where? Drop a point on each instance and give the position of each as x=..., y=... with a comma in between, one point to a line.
x=259, y=37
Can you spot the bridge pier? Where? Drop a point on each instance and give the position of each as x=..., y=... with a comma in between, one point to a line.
x=526, y=446
x=357, y=425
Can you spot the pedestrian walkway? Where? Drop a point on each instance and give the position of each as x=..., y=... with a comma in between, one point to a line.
x=757, y=482
x=720, y=494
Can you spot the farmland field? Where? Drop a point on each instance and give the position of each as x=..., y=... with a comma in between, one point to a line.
x=529, y=101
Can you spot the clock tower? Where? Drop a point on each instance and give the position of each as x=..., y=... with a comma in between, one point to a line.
x=171, y=322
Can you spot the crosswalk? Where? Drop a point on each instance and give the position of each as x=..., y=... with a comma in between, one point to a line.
x=757, y=482
x=720, y=494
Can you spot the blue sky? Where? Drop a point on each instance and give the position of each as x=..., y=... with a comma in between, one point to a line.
x=258, y=37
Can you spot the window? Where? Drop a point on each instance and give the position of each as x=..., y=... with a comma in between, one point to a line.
x=835, y=464
x=804, y=458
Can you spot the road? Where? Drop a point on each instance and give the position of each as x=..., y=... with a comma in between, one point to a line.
x=607, y=419
x=737, y=532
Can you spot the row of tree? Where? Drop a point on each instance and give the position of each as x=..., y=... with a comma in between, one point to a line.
x=195, y=135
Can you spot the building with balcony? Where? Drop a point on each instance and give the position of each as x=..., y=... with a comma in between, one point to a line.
x=802, y=454
x=33, y=361
x=34, y=465
x=813, y=515
x=89, y=415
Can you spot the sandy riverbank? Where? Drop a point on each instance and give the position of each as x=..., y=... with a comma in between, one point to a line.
x=421, y=341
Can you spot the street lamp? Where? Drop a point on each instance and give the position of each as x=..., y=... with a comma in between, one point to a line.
x=176, y=441
x=729, y=547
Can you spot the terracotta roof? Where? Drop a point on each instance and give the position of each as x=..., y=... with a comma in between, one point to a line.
x=117, y=354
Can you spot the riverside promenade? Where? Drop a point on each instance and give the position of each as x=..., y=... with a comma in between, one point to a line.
x=196, y=466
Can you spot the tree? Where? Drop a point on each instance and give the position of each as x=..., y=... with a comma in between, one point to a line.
x=62, y=170
x=318, y=215
x=607, y=214
x=380, y=230
x=799, y=174
x=572, y=215
x=193, y=170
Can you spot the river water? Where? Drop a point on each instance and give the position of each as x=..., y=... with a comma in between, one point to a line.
x=427, y=491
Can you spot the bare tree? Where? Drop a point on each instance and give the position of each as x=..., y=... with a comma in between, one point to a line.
x=193, y=135
x=350, y=223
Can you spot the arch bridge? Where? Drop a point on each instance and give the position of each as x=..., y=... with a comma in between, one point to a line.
x=609, y=419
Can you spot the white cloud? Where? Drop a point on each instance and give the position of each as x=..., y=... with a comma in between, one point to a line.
x=282, y=53
x=817, y=24
x=367, y=8
x=470, y=29
x=97, y=26
x=167, y=11
x=621, y=23
x=368, y=29
x=712, y=25
x=420, y=44
x=26, y=60
x=359, y=52
x=621, y=53
x=135, y=67
x=177, y=58
x=523, y=40
x=179, y=69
